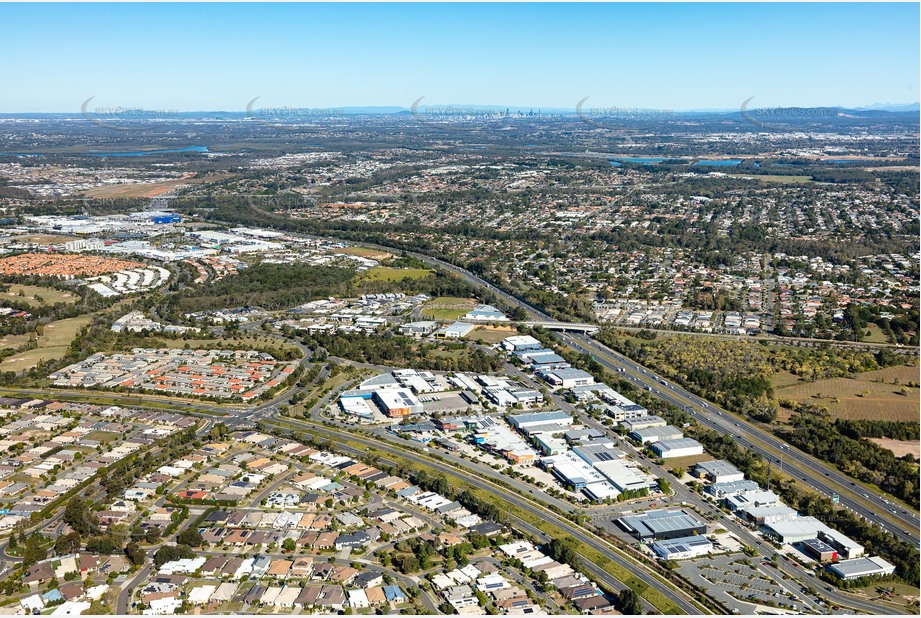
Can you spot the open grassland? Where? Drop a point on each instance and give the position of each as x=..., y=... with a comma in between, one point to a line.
x=851, y=398
x=38, y=296
x=776, y=178
x=151, y=189
x=54, y=343
x=491, y=334
x=447, y=307
x=372, y=254
x=45, y=239
x=902, y=374
x=876, y=335
x=386, y=273
x=13, y=341
x=781, y=379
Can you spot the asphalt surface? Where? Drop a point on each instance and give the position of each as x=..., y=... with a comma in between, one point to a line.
x=871, y=506
x=816, y=474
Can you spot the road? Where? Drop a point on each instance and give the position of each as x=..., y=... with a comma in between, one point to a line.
x=802, y=467
x=816, y=474
x=517, y=497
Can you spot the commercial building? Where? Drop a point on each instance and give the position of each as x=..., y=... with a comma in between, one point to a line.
x=661, y=524
x=643, y=422
x=594, y=454
x=485, y=313
x=620, y=408
x=769, y=514
x=656, y=434
x=719, y=471
x=495, y=437
x=861, y=567
x=572, y=471
x=732, y=488
x=557, y=418
x=397, y=402
x=743, y=501
x=454, y=331
x=803, y=528
x=682, y=447
x=682, y=548
x=820, y=550
x=520, y=343
x=567, y=378
x=624, y=476
x=417, y=329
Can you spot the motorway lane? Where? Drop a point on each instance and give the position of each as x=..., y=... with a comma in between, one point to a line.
x=536, y=510
x=903, y=524
x=684, y=495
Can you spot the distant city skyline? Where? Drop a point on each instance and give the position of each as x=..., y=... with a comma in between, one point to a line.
x=219, y=57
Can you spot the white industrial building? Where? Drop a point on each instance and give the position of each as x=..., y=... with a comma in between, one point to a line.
x=719, y=471
x=732, y=488
x=743, y=501
x=803, y=528
x=643, y=422
x=418, y=329
x=682, y=548
x=520, y=343
x=680, y=447
x=557, y=418
x=567, y=378
x=861, y=567
x=769, y=513
x=656, y=434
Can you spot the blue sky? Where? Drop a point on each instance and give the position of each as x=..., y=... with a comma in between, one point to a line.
x=666, y=56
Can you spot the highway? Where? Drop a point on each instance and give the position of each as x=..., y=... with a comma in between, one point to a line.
x=896, y=519
x=517, y=498
x=816, y=474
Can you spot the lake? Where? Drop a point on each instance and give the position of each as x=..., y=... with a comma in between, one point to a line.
x=643, y=160
x=719, y=162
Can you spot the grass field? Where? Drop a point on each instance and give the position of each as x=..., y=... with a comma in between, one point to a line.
x=102, y=436
x=779, y=178
x=876, y=335
x=53, y=343
x=372, y=254
x=851, y=398
x=13, y=341
x=491, y=334
x=687, y=462
x=152, y=189
x=902, y=373
x=243, y=342
x=45, y=239
x=447, y=307
x=386, y=273
x=46, y=296
x=783, y=378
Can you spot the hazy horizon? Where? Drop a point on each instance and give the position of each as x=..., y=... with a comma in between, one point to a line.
x=682, y=57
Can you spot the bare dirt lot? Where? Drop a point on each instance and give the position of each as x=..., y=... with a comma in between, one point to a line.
x=900, y=448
